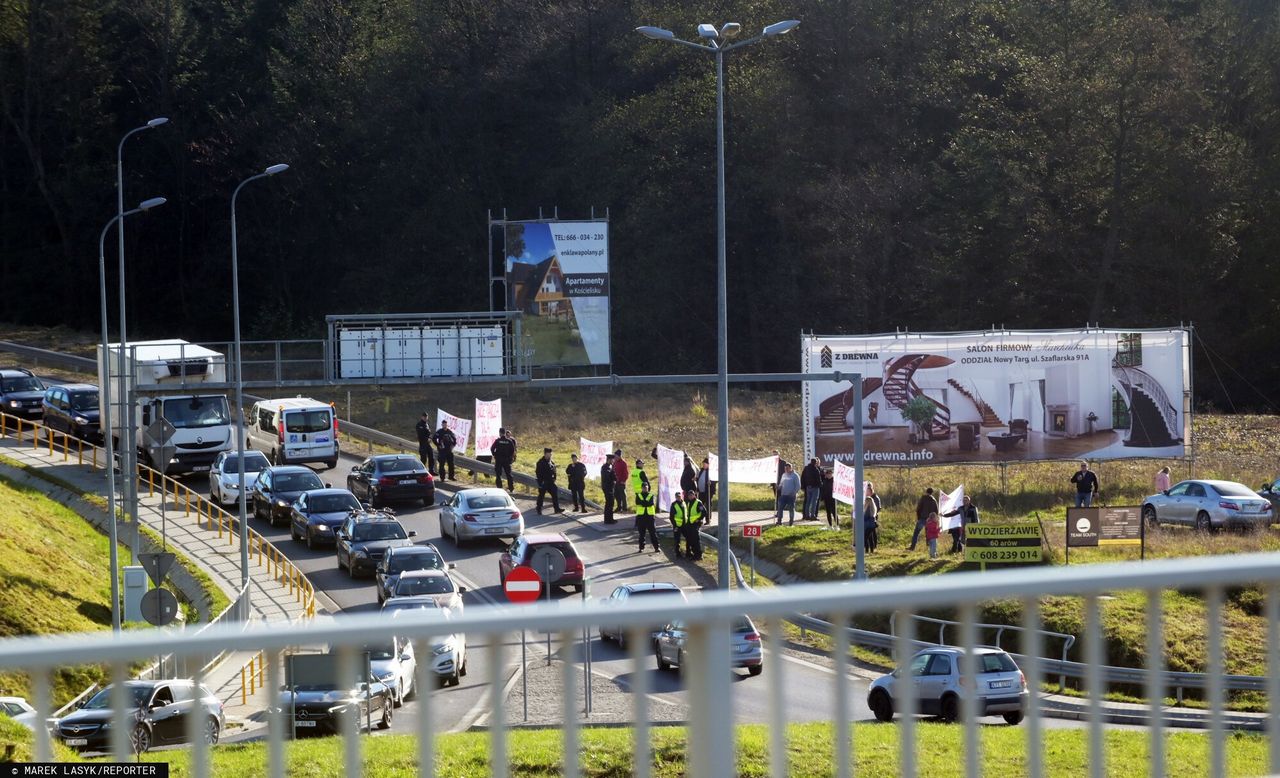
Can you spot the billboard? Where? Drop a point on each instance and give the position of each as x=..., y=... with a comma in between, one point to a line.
x=1000, y=396
x=557, y=275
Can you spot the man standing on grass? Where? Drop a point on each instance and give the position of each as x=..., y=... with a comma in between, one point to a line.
x=811, y=482
x=606, y=485
x=788, y=488
x=927, y=504
x=425, y=452
x=1086, y=486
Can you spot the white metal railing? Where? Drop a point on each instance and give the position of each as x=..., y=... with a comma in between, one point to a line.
x=710, y=688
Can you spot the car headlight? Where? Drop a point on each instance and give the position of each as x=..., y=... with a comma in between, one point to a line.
x=108, y=724
x=15, y=404
x=361, y=552
x=81, y=420
x=388, y=678
x=282, y=503
x=443, y=648
x=322, y=528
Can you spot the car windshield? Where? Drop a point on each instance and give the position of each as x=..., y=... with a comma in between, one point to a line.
x=297, y=482
x=407, y=587
x=404, y=562
x=997, y=663
x=102, y=700
x=481, y=501
x=84, y=401
x=379, y=530
x=654, y=592
x=392, y=605
x=307, y=421
x=743, y=624
x=252, y=463
x=379, y=650
x=196, y=412
x=333, y=503
x=23, y=384
x=1234, y=490
x=398, y=464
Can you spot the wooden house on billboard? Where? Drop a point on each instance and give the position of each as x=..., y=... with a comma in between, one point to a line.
x=538, y=290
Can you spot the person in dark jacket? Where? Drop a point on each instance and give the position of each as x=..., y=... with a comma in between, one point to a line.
x=782, y=468
x=503, y=451
x=606, y=485
x=829, y=499
x=545, y=471
x=688, y=478
x=425, y=452
x=706, y=486
x=811, y=483
x=968, y=513
x=445, y=442
x=926, y=505
x=621, y=477
x=577, y=473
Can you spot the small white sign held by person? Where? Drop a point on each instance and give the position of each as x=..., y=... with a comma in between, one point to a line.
x=670, y=467
x=842, y=488
x=488, y=422
x=592, y=454
x=461, y=429
x=948, y=503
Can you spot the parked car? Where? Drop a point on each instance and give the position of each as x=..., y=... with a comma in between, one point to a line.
x=316, y=515
x=224, y=474
x=19, y=710
x=393, y=664
x=1000, y=688
x=275, y=489
x=364, y=537
x=1209, y=506
x=646, y=592
x=21, y=393
x=522, y=549
x=386, y=477
x=402, y=560
x=73, y=409
x=158, y=712
x=477, y=513
x=321, y=707
x=435, y=584
x=448, y=660
x=745, y=650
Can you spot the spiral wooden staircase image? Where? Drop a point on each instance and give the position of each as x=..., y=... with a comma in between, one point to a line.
x=900, y=388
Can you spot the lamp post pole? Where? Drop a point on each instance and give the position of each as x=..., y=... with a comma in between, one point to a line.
x=106, y=408
x=717, y=47
x=128, y=449
x=235, y=315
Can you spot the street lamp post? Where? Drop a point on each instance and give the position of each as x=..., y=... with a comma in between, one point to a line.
x=145, y=205
x=716, y=46
x=128, y=470
x=235, y=314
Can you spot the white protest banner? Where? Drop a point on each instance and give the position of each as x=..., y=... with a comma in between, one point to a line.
x=592, y=454
x=948, y=503
x=488, y=422
x=670, y=466
x=746, y=471
x=461, y=429
x=842, y=490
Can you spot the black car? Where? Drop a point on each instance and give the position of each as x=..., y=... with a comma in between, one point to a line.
x=316, y=515
x=21, y=393
x=157, y=712
x=321, y=707
x=387, y=477
x=363, y=539
x=275, y=489
x=402, y=560
x=73, y=409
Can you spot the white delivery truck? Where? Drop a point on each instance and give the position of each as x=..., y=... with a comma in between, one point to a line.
x=202, y=426
x=294, y=431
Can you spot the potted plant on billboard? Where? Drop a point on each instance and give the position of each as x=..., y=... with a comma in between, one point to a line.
x=919, y=411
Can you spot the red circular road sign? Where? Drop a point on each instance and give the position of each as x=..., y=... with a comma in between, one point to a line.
x=523, y=584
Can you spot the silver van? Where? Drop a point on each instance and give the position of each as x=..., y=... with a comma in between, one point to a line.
x=294, y=431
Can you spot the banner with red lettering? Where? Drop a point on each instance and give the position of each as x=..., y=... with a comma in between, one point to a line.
x=746, y=471
x=488, y=422
x=670, y=467
x=592, y=454
x=844, y=483
x=461, y=429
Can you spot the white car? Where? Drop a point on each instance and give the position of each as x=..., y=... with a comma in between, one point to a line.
x=224, y=476
x=1001, y=688
x=393, y=664
x=448, y=658
x=481, y=513
x=435, y=585
x=19, y=710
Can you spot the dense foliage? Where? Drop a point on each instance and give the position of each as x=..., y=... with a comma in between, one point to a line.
x=930, y=164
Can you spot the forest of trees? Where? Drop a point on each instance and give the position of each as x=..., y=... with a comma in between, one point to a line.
x=927, y=164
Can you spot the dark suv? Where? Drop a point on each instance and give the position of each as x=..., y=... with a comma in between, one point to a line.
x=157, y=713
x=274, y=490
x=73, y=409
x=364, y=537
x=21, y=393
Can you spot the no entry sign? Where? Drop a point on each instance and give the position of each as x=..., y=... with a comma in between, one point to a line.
x=523, y=584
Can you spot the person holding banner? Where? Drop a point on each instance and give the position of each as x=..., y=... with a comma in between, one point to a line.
x=646, y=515
x=425, y=452
x=968, y=513
x=445, y=442
x=577, y=474
x=504, y=453
x=606, y=484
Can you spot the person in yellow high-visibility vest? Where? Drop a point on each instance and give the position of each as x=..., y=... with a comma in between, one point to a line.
x=646, y=515
x=687, y=515
x=677, y=523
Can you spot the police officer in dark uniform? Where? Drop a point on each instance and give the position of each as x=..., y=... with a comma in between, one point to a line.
x=445, y=442
x=577, y=473
x=646, y=503
x=425, y=452
x=545, y=471
x=503, y=451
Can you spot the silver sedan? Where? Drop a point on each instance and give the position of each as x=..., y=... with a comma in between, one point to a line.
x=224, y=476
x=1208, y=506
x=481, y=513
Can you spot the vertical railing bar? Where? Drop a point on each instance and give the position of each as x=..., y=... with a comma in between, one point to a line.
x=1093, y=684
x=569, y=698
x=275, y=717
x=904, y=688
x=1217, y=688
x=639, y=643
x=196, y=735
x=43, y=699
x=1155, y=682
x=968, y=696
x=1032, y=648
x=348, y=672
x=844, y=744
x=424, y=682
x=121, y=748
x=1273, y=677
x=777, y=723
x=498, y=767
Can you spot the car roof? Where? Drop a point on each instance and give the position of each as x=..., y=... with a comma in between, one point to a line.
x=14, y=699
x=545, y=537
x=76, y=388
x=424, y=574
x=651, y=586
x=483, y=492
x=14, y=372
x=424, y=549
x=287, y=469
x=1219, y=484
x=386, y=457
x=328, y=491
x=959, y=650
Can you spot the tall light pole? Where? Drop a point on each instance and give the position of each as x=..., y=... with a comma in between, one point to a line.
x=235, y=315
x=145, y=205
x=128, y=471
x=716, y=45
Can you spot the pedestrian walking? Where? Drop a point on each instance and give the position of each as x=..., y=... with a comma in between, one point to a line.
x=577, y=475
x=646, y=516
x=811, y=483
x=503, y=451
x=924, y=506
x=606, y=485
x=425, y=452
x=1086, y=485
x=545, y=471
x=687, y=515
x=1162, y=480
x=621, y=477
x=829, y=499
x=931, y=531
x=788, y=488
x=968, y=513
x=870, y=523
x=639, y=478
x=445, y=442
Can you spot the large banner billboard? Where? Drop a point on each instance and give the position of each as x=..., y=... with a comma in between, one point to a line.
x=557, y=275
x=1000, y=396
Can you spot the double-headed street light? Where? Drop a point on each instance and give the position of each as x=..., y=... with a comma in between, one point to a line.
x=717, y=45
x=235, y=313
x=145, y=205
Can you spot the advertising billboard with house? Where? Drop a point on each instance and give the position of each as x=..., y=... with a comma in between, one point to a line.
x=1001, y=396
x=557, y=275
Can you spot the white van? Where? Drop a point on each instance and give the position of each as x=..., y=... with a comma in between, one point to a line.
x=294, y=430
